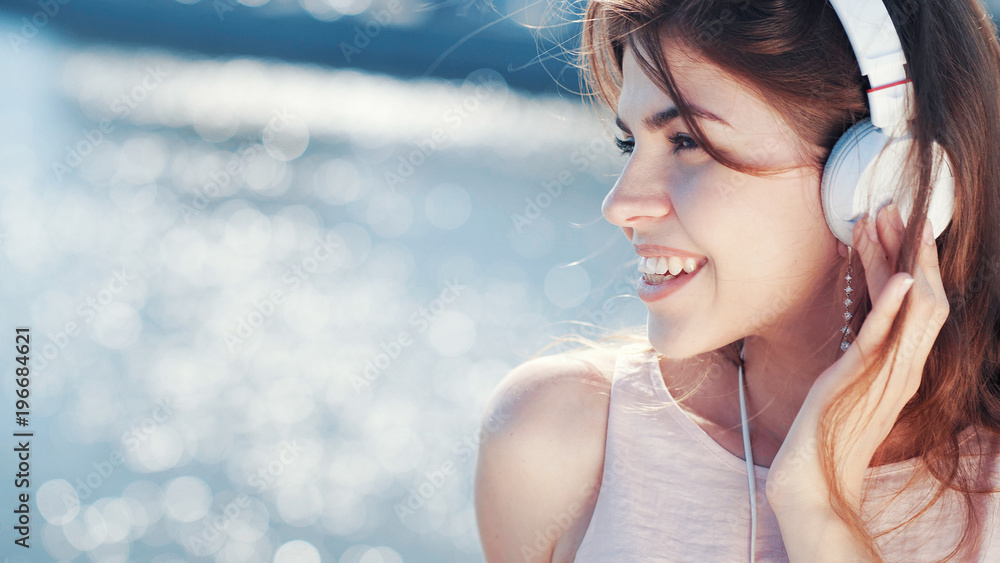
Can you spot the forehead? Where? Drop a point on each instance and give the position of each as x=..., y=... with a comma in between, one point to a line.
x=702, y=84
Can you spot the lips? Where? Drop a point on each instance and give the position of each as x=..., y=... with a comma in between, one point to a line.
x=655, y=251
x=649, y=292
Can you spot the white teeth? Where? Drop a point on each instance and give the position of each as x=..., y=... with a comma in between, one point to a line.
x=663, y=265
x=675, y=265
x=656, y=265
x=651, y=265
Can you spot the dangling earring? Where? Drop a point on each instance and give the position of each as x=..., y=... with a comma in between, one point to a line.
x=844, y=344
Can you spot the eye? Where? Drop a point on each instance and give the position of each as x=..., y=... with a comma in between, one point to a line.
x=680, y=141
x=625, y=146
x=683, y=143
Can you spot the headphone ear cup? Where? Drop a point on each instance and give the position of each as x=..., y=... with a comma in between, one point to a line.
x=838, y=189
x=862, y=175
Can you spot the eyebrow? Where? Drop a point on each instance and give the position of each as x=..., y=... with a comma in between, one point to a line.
x=663, y=118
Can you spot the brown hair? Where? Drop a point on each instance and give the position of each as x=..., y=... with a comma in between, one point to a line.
x=796, y=56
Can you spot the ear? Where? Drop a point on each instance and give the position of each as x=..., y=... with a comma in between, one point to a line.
x=842, y=249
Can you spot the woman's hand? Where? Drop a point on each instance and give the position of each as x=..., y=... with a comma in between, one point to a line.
x=795, y=479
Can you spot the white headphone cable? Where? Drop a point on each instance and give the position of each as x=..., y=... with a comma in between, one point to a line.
x=751, y=475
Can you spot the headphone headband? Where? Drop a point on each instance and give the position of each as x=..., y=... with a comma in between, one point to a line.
x=880, y=56
x=862, y=172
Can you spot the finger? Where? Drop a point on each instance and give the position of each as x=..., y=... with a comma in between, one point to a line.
x=928, y=309
x=929, y=266
x=877, y=324
x=871, y=336
x=929, y=302
x=873, y=258
x=890, y=230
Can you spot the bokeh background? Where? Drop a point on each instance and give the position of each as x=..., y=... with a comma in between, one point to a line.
x=274, y=256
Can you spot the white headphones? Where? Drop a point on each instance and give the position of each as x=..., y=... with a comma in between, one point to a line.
x=856, y=179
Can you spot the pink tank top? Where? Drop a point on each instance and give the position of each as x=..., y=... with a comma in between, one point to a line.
x=672, y=493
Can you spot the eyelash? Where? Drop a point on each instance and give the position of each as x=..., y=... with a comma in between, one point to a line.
x=626, y=146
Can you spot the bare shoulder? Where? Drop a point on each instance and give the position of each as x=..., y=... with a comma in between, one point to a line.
x=542, y=454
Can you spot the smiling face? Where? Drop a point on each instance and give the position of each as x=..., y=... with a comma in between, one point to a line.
x=766, y=256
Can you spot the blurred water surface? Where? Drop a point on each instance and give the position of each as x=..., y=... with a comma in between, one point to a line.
x=269, y=300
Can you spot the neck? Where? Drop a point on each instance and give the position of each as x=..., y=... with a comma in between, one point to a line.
x=779, y=370
x=778, y=379
x=782, y=363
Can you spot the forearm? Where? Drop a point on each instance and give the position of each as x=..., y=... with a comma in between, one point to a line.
x=816, y=536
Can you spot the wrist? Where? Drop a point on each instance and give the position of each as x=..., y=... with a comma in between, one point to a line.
x=817, y=534
x=804, y=496
x=793, y=498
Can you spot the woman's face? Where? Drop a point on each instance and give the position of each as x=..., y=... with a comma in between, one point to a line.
x=763, y=251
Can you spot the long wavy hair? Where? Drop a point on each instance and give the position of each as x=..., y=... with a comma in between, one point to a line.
x=796, y=56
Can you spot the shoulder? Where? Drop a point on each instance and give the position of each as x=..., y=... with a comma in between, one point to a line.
x=551, y=387
x=542, y=452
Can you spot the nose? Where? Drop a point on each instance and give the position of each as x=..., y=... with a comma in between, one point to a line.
x=639, y=196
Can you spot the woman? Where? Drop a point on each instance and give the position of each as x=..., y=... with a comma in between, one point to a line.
x=883, y=451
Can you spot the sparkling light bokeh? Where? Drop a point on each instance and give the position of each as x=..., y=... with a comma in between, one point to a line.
x=255, y=343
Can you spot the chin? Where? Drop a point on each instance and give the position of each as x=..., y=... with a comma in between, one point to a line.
x=674, y=341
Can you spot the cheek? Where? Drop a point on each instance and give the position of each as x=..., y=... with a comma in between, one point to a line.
x=713, y=187
x=755, y=228
x=727, y=212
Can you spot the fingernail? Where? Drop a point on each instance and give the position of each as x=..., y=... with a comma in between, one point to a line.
x=928, y=233
x=906, y=285
x=895, y=219
x=870, y=229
